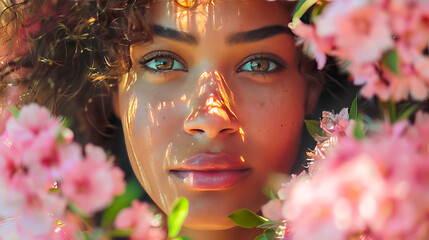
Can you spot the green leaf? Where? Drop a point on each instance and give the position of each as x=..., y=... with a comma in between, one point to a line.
x=183, y=238
x=317, y=10
x=67, y=122
x=177, y=216
x=403, y=107
x=391, y=61
x=261, y=237
x=246, y=218
x=393, y=116
x=272, y=195
x=76, y=210
x=121, y=233
x=133, y=191
x=301, y=7
x=313, y=127
x=14, y=111
x=271, y=224
x=298, y=6
x=359, y=131
x=384, y=108
x=97, y=234
x=407, y=112
x=54, y=190
x=86, y=235
x=270, y=234
x=353, y=113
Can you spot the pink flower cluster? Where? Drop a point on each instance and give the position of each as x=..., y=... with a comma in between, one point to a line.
x=375, y=188
x=139, y=217
x=383, y=43
x=334, y=126
x=42, y=171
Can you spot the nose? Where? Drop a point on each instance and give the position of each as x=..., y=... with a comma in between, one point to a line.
x=211, y=112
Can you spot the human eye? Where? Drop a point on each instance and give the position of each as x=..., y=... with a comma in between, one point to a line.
x=162, y=61
x=261, y=63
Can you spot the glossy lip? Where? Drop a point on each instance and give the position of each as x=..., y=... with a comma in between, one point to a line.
x=211, y=172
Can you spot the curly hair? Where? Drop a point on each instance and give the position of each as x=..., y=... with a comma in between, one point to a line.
x=19, y=24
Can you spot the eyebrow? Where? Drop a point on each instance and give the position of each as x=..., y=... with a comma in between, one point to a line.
x=258, y=34
x=174, y=34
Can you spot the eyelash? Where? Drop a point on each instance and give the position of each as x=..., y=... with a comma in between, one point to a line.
x=278, y=62
x=270, y=58
x=152, y=56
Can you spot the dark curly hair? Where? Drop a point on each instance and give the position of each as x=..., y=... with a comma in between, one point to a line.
x=19, y=25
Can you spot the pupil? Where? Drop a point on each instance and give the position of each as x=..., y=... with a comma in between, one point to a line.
x=260, y=65
x=164, y=63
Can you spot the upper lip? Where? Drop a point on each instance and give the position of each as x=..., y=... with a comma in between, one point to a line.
x=211, y=162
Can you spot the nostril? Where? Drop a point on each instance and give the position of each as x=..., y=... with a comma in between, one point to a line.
x=227, y=130
x=195, y=131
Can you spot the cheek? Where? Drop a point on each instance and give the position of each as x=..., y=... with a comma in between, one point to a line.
x=140, y=121
x=273, y=120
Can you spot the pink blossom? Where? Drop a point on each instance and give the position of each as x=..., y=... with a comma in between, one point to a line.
x=335, y=124
x=419, y=133
x=361, y=32
x=93, y=183
x=360, y=29
x=33, y=122
x=36, y=152
x=33, y=215
x=375, y=188
x=67, y=228
x=334, y=127
x=52, y=160
x=312, y=44
x=141, y=220
x=409, y=22
x=272, y=210
x=9, y=229
x=367, y=76
x=411, y=81
x=11, y=165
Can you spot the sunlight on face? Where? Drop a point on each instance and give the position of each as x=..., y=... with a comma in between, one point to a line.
x=213, y=105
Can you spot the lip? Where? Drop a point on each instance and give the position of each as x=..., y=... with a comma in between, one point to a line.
x=211, y=172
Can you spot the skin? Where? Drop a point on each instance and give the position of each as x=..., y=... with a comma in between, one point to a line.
x=258, y=115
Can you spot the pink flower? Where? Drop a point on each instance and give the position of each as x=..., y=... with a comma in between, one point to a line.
x=32, y=214
x=312, y=44
x=374, y=186
x=33, y=122
x=67, y=228
x=367, y=76
x=11, y=165
x=36, y=152
x=334, y=127
x=335, y=124
x=409, y=22
x=272, y=210
x=50, y=160
x=141, y=220
x=360, y=29
x=419, y=133
x=93, y=183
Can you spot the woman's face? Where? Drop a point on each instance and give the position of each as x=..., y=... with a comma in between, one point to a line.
x=213, y=105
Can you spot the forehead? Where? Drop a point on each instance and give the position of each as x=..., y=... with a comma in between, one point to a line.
x=220, y=16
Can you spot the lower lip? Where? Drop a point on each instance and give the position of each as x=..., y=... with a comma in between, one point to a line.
x=211, y=180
